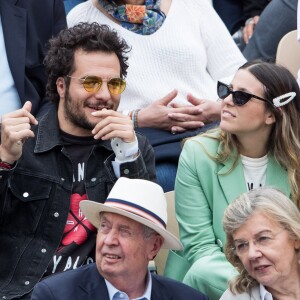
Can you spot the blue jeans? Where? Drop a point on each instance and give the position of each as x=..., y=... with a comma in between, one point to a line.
x=165, y=175
x=167, y=148
x=277, y=19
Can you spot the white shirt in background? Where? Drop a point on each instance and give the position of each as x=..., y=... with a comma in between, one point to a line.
x=190, y=52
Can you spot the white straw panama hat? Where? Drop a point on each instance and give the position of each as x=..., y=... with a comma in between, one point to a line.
x=140, y=200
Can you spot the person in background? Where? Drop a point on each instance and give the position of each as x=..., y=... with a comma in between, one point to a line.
x=258, y=26
x=131, y=230
x=180, y=49
x=240, y=17
x=263, y=243
x=263, y=33
x=253, y=10
x=256, y=145
x=231, y=13
x=77, y=150
x=25, y=28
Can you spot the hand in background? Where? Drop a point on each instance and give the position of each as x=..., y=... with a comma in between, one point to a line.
x=204, y=112
x=249, y=28
x=164, y=115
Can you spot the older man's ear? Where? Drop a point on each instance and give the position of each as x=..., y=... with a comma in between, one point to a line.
x=157, y=243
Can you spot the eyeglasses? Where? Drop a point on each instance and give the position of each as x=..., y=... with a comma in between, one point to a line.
x=92, y=84
x=239, y=98
x=263, y=241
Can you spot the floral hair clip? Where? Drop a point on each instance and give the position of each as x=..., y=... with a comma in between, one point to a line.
x=288, y=97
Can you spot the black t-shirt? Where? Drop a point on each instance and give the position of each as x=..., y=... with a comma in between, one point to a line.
x=77, y=246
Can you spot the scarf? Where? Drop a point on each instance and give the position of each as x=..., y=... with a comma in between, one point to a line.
x=142, y=19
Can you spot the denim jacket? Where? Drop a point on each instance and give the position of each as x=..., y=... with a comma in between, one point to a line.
x=35, y=199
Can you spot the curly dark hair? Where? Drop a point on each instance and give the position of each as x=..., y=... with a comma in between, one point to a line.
x=89, y=37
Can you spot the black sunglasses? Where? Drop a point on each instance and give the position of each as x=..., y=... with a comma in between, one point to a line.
x=239, y=98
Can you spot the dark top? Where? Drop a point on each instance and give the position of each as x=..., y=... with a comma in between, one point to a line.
x=86, y=283
x=35, y=200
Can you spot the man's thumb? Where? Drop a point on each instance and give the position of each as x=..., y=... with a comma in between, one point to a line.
x=27, y=105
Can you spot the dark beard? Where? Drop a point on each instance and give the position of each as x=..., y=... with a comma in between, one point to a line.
x=71, y=113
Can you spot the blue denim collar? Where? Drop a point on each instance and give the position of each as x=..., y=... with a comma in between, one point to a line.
x=48, y=133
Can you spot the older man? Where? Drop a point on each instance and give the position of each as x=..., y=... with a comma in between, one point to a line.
x=131, y=230
x=77, y=150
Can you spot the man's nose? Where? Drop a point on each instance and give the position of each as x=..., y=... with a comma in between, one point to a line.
x=103, y=93
x=111, y=238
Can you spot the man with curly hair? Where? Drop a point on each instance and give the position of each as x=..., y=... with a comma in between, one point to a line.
x=74, y=152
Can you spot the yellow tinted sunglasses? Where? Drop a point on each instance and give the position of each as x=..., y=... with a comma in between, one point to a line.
x=92, y=84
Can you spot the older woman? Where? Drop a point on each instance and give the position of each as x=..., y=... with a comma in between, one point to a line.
x=256, y=145
x=263, y=241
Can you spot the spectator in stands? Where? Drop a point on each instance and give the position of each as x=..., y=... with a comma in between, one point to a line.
x=237, y=14
x=77, y=150
x=257, y=145
x=263, y=243
x=25, y=28
x=131, y=230
x=258, y=26
x=277, y=19
x=179, y=51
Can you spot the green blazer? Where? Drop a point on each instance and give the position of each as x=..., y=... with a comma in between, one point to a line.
x=203, y=190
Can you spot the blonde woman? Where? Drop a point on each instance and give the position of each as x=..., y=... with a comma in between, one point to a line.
x=256, y=145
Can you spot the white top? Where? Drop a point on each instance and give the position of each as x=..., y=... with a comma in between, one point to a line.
x=264, y=294
x=125, y=152
x=258, y=292
x=190, y=52
x=9, y=97
x=255, y=170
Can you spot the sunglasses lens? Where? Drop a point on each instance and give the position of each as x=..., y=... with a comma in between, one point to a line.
x=116, y=86
x=223, y=90
x=92, y=84
x=240, y=98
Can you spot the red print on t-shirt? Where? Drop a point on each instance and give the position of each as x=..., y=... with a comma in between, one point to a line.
x=77, y=227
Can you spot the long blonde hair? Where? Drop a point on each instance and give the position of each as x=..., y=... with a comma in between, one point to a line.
x=283, y=141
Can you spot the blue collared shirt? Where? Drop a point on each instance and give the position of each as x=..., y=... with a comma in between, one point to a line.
x=115, y=294
x=9, y=97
